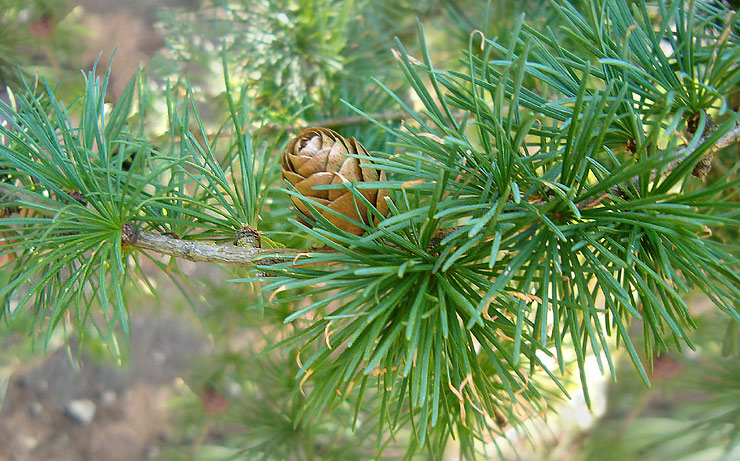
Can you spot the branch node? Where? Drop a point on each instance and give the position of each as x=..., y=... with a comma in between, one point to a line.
x=693, y=123
x=704, y=165
x=247, y=237
x=77, y=196
x=129, y=234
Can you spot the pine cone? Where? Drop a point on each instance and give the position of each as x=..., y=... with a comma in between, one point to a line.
x=318, y=156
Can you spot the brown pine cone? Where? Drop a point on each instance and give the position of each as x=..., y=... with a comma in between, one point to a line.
x=318, y=156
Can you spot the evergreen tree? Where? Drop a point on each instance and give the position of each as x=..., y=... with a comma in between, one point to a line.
x=539, y=196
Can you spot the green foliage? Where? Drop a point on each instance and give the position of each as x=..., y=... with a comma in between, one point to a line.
x=296, y=56
x=80, y=183
x=691, y=413
x=541, y=209
x=23, y=26
x=539, y=250
x=258, y=411
x=58, y=166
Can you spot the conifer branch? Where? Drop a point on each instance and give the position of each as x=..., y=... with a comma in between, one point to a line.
x=342, y=121
x=336, y=122
x=164, y=244
x=202, y=252
x=10, y=195
x=248, y=255
x=728, y=139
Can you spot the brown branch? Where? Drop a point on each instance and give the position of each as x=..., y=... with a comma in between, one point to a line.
x=327, y=123
x=165, y=244
x=343, y=121
x=247, y=255
x=729, y=138
x=9, y=195
x=203, y=252
x=333, y=123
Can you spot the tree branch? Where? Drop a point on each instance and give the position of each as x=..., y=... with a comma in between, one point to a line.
x=729, y=138
x=334, y=122
x=203, y=252
x=248, y=255
x=164, y=244
x=343, y=121
x=9, y=194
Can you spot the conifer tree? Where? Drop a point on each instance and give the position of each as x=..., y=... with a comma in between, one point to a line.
x=544, y=195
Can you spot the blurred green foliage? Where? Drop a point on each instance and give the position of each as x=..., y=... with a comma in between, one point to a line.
x=691, y=412
x=39, y=34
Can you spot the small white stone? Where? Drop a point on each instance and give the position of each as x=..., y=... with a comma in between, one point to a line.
x=82, y=410
x=108, y=398
x=35, y=408
x=159, y=358
x=28, y=442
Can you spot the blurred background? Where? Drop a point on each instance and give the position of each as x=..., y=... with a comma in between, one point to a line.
x=189, y=384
